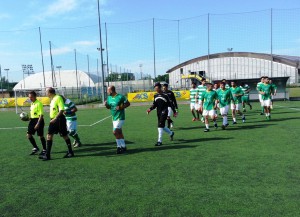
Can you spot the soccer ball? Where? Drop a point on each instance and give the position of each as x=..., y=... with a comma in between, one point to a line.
x=24, y=116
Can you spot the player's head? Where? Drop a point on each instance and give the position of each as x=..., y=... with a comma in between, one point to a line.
x=111, y=90
x=266, y=80
x=222, y=85
x=193, y=85
x=203, y=81
x=165, y=86
x=50, y=92
x=224, y=80
x=262, y=78
x=209, y=86
x=157, y=87
x=216, y=85
x=233, y=83
x=32, y=96
x=270, y=81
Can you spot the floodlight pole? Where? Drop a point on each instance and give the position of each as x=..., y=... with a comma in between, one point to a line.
x=101, y=54
x=229, y=50
x=7, y=78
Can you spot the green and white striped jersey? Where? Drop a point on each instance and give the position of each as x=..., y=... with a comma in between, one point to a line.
x=193, y=94
x=68, y=106
x=245, y=88
x=201, y=90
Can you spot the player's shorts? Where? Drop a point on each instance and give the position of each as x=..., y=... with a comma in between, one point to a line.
x=245, y=99
x=118, y=124
x=211, y=113
x=238, y=107
x=194, y=106
x=267, y=102
x=31, y=125
x=170, y=112
x=161, y=119
x=71, y=125
x=260, y=99
x=60, y=126
x=224, y=110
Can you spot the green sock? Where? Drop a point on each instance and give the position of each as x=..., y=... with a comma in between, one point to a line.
x=76, y=137
x=262, y=109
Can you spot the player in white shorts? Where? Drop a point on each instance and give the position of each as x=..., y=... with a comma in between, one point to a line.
x=194, y=106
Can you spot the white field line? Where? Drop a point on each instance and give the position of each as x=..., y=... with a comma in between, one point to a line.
x=287, y=107
x=13, y=128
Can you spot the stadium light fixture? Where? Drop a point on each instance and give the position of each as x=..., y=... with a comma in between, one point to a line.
x=27, y=69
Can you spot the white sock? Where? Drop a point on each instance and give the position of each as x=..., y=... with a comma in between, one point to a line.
x=123, y=143
x=118, y=143
x=225, y=120
x=160, y=133
x=207, y=126
x=167, y=130
x=234, y=119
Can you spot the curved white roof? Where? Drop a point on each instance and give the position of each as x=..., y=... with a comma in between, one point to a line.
x=66, y=78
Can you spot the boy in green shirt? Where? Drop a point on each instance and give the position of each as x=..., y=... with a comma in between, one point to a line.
x=208, y=105
x=262, y=78
x=194, y=101
x=245, y=99
x=117, y=104
x=274, y=92
x=266, y=91
x=224, y=99
x=236, y=102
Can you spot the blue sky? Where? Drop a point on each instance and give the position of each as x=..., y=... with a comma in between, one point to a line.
x=129, y=25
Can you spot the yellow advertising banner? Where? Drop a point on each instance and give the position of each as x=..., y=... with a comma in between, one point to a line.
x=24, y=101
x=149, y=96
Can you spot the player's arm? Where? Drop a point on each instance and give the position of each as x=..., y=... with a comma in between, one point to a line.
x=274, y=90
x=125, y=103
x=154, y=105
x=106, y=105
x=174, y=101
x=260, y=91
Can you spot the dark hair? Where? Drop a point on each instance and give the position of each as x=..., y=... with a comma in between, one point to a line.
x=203, y=79
x=194, y=82
x=33, y=93
x=165, y=85
x=51, y=90
x=157, y=84
x=113, y=88
x=223, y=83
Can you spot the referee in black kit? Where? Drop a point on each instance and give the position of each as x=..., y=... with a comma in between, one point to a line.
x=161, y=103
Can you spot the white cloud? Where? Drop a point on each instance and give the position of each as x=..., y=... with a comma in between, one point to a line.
x=85, y=43
x=59, y=51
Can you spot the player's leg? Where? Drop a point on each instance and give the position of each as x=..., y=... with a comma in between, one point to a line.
x=201, y=111
x=72, y=128
x=233, y=113
x=224, y=113
x=63, y=131
x=117, y=131
x=238, y=110
x=213, y=115
x=243, y=103
x=192, y=107
x=169, y=120
x=205, y=113
x=261, y=104
x=30, y=132
x=40, y=133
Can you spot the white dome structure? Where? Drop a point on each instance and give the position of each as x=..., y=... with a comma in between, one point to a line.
x=63, y=78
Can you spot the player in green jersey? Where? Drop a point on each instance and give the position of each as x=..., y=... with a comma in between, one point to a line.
x=262, y=78
x=245, y=99
x=274, y=92
x=227, y=86
x=208, y=105
x=201, y=90
x=194, y=101
x=70, y=113
x=57, y=124
x=117, y=104
x=266, y=91
x=236, y=102
x=224, y=99
x=36, y=123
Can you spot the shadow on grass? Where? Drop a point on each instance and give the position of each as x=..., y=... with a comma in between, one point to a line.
x=180, y=141
x=247, y=127
x=189, y=128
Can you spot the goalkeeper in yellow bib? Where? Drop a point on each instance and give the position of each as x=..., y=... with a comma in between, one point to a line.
x=117, y=104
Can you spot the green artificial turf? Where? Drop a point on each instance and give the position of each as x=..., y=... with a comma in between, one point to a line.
x=250, y=169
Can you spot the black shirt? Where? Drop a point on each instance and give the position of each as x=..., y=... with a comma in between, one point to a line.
x=172, y=98
x=161, y=103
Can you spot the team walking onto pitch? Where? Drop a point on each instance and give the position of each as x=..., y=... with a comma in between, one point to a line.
x=206, y=102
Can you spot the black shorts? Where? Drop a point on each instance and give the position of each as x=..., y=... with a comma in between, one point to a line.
x=31, y=125
x=161, y=118
x=60, y=126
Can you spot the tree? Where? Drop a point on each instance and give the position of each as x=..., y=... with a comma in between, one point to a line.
x=161, y=78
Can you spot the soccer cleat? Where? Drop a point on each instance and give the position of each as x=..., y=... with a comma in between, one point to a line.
x=223, y=127
x=124, y=149
x=206, y=130
x=234, y=122
x=216, y=125
x=244, y=119
x=44, y=157
x=261, y=113
x=171, y=136
x=34, y=151
x=119, y=150
x=194, y=119
x=77, y=144
x=172, y=125
x=226, y=125
x=69, y=154
x=42, y=153
x=158, y=144
x=74, y=143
